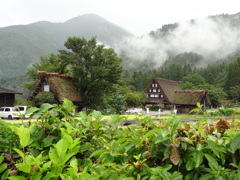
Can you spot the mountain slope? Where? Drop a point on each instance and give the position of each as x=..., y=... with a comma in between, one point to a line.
x=22, y=45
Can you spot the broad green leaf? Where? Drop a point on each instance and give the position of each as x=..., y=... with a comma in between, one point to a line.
x=48, y=141
x=53, y=155
x=98, y=152
x=74, y=163
x=189, y=141
x=198, y=158
x=17, y=178
x=19, y=152
x=235, y=144
x=96, y=114
x=24, y=167
x=149, y=133
x=206, y=177
x=1, y=158
x=68, y=105
x=45, y=107
x=190, y=164
x=5, y=175
x=62, y=146
x=214, y=148
x=31, y=110
x=48, y=176
x=199, y=147
x=70, y=153
x=212, y=162
x=36, y=176
x=85, y=147
x=3, y=167
x=46, y=166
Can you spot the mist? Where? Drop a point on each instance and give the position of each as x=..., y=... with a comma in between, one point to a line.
x=212, y=38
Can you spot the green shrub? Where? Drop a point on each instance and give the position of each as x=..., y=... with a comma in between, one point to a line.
x=61, y=146
x=226, y=112
x=44, y=97
x=154, y=108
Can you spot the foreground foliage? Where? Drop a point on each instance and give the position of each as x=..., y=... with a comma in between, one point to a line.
x=63, y=146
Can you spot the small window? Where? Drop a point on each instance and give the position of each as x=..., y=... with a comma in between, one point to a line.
x=154, y=90
x=1, y=109
x=21, y=108
x=152, y=95
x=156, y=95
x=46, y=88
x=159, y=90
x=152, y=85
x=7, y=109
x=156, y=85
x=161, y=96
x=150, y=90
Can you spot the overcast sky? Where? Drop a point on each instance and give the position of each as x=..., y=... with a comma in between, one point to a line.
x=137, y=16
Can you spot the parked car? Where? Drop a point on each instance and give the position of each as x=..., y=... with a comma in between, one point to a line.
x=9, y=113
x=134, y=110
x=23, y=110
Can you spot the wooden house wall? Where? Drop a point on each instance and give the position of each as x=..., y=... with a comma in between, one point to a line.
x=7, y=100
x=156, y=90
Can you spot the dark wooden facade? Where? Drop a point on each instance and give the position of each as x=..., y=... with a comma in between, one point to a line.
x=168, y=92
x=161, y=91
x=7, y=97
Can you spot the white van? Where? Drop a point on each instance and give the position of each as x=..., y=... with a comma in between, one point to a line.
x=23, y=110
x=9, y=113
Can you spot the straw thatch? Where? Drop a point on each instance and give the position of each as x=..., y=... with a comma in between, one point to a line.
x=189, y=97
x=62, y=86
x=168, y=87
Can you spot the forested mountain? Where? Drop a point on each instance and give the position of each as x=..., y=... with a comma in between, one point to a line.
x=22, y=45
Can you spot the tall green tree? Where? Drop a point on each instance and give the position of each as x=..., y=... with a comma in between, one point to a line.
x=95, y=68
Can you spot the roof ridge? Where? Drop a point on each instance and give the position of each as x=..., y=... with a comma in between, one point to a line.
x=163, y=79
x=45, y=74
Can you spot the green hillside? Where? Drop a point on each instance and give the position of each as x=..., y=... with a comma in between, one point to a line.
x=22, y=45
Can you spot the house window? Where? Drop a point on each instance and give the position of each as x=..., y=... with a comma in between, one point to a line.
x=152, y=85
x=46, y=88
x=156, y=95
x=158, y=90
x=152, y=95
x=150, y=90
x=156, y=85
x=154, y=90
x=161, y=96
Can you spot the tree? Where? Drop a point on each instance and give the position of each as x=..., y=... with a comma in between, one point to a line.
x=95, y=68
x=50, y=63
x=195, y=79
x=215, y=94
x=233, y=74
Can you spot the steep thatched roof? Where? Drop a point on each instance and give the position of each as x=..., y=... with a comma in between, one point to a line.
x=189, y=97
x=7, y=91
x=168, y=86
x=62, y=86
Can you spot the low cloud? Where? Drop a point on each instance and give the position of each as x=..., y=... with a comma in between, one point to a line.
x=213, y=39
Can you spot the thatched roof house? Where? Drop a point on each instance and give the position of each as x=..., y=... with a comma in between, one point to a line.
x=168, y=92
x=7, y=97
x=62, y=86
x=186, y=100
